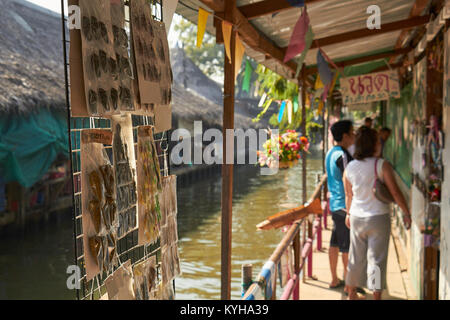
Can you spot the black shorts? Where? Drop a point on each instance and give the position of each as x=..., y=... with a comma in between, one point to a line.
x=340, y=235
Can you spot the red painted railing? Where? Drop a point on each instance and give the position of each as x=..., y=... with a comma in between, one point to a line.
x=267, y=278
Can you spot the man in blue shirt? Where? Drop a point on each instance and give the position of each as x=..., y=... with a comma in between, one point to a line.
x=336, y=161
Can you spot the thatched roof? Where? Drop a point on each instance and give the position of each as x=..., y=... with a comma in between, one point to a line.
x=189, y=75
x=31, y=58
x=189, y=105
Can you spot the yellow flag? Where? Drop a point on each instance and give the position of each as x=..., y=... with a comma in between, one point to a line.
x=240, y=50
x=201, y=25
x=319, y=83
x=226, y=30
x=333, y=84
x=320, y=108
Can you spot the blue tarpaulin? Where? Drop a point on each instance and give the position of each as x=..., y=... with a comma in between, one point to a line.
x=30, y=144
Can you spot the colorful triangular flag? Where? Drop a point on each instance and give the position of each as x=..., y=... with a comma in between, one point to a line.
x=282, y=108
x=201, y=25
x=297, y=42
x=226, y=30
x=169, y=9
x=324, y=70
x=295, y=103
x=297, y=3
x=289, y=108
x=309, y=40
x=248, y=76
x=240, y=50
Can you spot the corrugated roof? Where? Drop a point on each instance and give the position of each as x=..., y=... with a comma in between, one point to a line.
x=328, y=17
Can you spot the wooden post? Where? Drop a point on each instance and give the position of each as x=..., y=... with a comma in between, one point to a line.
x=247, y=276
x=227, y=169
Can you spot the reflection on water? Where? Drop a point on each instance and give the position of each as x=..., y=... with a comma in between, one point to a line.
x=33, y=265
x=199, y=219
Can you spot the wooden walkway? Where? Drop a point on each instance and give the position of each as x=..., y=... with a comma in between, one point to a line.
x=319, y=290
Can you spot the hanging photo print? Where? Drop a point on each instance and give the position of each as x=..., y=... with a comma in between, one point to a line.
x=100, y=66
x=120, y=284
x=124, y=68
x=152, y=57
x=170, y=261
x=149, y=186
x=99, y=209
x=123, y=154
x=145, y=279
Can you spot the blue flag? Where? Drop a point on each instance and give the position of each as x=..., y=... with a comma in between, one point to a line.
x=280, y=115
x=297, y=3
x=324, y=70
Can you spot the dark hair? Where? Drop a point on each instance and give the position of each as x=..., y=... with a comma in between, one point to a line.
x=368, y=119
x=386, y=129
x=339, y=128
x=365, y=143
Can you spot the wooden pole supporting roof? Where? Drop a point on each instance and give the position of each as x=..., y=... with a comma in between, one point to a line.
x=227, y=169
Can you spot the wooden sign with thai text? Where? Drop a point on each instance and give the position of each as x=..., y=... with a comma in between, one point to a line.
x=370, y=87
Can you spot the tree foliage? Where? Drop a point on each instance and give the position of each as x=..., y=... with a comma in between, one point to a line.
x=278, y=88
x=209, y=57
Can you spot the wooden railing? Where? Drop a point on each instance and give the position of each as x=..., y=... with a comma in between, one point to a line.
x=265, y=285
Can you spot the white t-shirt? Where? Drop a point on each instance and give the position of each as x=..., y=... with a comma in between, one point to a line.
x=361, y=174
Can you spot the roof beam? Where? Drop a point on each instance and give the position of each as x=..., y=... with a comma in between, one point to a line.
x=416, y=10
x=363, y=33
x=251, y=36
x=368, y=58
x=266, y=7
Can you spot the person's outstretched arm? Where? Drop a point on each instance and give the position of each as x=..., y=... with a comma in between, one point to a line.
x=389, y=180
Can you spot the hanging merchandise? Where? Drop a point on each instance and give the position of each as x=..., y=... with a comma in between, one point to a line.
x=101, y=66
x=201, y=25
x=125, y=74
x=226, y=30
x=152, y=57
x=297, y=43
x=148, y=187
x=170, y=261
x=281, y=113
x=99, y=209
x=169, y=7
x=247, y=76
x=120, y=284
x=144, y=275
x=124, y=164
x=240, y=50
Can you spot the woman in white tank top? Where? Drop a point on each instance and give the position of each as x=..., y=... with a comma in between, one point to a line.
x=368, y=218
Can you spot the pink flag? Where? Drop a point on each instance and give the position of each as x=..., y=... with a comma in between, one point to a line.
x=297, y=43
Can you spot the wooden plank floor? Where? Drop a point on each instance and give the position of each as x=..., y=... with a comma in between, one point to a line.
x=319, y=290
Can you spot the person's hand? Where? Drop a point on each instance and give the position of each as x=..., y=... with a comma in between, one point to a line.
x=347, y=221
x=407, y=221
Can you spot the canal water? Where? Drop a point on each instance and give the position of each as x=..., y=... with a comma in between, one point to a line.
x=33, y=265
